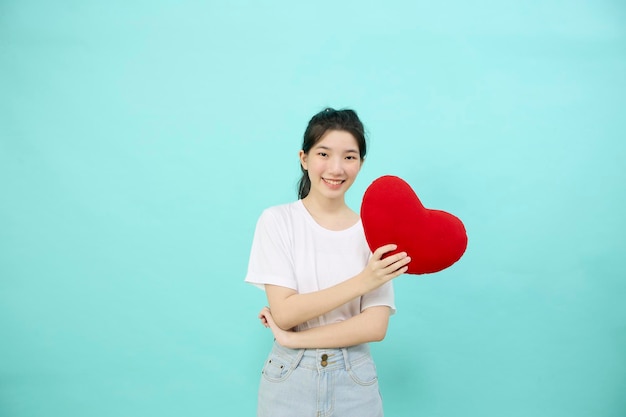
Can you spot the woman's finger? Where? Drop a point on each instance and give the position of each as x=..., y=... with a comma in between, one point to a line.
x=378, y=253
x=397, y=265
x=389, y=260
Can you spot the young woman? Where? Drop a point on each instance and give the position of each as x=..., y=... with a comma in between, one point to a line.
x=328, y=294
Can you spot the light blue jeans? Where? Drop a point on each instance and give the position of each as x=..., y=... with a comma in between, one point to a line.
x=319, y=383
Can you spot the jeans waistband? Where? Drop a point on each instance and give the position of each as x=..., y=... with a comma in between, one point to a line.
x=324, y=359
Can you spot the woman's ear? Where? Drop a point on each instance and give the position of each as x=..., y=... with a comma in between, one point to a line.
x=302, y=155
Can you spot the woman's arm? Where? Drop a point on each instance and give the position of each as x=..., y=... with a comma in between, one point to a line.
x=290, y=308
x=368, y=326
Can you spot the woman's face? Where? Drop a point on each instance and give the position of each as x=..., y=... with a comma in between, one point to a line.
x=332, y=164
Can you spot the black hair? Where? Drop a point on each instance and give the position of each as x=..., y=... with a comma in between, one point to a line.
x=330, y=119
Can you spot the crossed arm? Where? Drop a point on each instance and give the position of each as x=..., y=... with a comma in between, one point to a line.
x=288, y=308
x=368, y=326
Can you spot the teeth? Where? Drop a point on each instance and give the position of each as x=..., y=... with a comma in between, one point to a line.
x=333, y=182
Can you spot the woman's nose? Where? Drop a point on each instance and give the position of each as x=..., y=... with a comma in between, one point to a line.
x=336, y=165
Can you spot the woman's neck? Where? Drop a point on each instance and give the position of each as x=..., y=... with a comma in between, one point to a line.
x=331, y=214
x=324, y=205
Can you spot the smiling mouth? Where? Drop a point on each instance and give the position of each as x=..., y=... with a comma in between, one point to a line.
x=333, y=182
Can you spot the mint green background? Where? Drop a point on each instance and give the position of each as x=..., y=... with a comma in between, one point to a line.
x=139, y=142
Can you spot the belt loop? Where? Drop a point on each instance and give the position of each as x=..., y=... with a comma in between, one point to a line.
x=346, y=360
x=297, y=359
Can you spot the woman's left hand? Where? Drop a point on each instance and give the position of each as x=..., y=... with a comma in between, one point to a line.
x=281, y=336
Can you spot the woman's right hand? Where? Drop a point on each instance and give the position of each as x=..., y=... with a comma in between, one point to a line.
x=379, y=271
x=283, y=337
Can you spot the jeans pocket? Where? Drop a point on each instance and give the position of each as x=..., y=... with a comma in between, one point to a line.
x=364, y=373
x=276, y=369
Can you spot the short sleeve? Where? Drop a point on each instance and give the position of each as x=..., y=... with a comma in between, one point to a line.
x=382, y=296
x=271, y=257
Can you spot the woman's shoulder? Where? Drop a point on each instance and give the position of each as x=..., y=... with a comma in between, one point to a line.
x=282, y=210
x=283, y=213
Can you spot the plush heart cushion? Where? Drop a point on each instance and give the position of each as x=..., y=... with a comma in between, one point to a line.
x=391, y=212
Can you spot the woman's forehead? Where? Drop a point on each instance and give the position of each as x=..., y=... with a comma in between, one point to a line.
x=338, y=140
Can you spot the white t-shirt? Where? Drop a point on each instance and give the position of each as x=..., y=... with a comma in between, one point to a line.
x=292, y=250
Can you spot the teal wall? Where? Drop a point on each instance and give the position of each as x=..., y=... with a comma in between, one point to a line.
x=139, y=142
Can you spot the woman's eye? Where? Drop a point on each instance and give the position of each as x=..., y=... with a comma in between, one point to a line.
x=351, y=157
x=324, y=154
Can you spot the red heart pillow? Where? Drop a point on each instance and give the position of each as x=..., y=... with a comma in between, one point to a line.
x=392, y=213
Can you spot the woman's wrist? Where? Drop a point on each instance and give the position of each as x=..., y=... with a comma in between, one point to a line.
x=287, y=339
x=363, y=284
